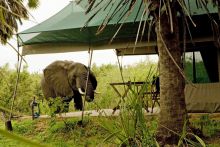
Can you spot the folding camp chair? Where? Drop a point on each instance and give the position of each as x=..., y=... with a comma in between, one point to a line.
x=155, y=92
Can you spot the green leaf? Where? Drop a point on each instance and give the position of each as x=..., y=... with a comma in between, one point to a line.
x=157, y=144
x=111, y=136
x=199, y=140
x=20, y=139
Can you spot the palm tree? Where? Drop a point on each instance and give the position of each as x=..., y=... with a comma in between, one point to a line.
x=12, y=12
x=173, y=108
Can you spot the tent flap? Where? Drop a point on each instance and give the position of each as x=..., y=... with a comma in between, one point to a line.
x=70, y=47
x=202, y=98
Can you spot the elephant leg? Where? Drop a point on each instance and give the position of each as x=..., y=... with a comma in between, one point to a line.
x=66, y=102
x=58, y=110
x=55, y=109
x=66, y=107
x=78, y=100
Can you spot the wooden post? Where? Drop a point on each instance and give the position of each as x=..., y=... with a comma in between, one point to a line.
x=8, y=125
x=218, y=56
x=194, y=68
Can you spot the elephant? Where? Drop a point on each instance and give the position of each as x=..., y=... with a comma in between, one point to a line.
x=68, y=80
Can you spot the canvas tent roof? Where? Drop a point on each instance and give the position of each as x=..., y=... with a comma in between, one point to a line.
x=62, y=32
x=64, y=29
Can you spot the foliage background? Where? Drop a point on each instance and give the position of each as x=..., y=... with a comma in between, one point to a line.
x=66, y=132
x=28, y=87
x=29, y=84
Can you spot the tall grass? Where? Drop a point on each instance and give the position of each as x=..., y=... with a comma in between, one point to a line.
x=132, y=128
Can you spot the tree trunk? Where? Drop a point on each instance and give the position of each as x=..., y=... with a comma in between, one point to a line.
x=173, y=108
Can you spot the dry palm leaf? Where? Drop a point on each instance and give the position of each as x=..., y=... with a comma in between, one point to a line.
x=11, y=12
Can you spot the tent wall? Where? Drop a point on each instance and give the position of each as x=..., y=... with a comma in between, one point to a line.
x=203, y=98
x=218, y=55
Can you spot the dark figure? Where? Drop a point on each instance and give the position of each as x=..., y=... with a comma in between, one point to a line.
x=156, y=82
x=155, y=91
x=35, y=109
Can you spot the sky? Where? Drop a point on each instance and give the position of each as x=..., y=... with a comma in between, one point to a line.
x=36, y=63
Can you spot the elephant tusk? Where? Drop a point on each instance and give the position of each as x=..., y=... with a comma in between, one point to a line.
x=81, y=92
x=97, y=92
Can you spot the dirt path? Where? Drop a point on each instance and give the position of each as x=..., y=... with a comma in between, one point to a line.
x=102, y=112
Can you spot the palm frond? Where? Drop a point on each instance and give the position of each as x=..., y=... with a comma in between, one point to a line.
x=13, y=11
x=91, y=3
x=33, y=3
x=139, y=28
x=139, y=8
x=183, y=6
x=20, y=139
x=124, y=11
x=214, y=24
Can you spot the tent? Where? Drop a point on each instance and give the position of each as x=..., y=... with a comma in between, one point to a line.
x=65, y=29
x=63, y=32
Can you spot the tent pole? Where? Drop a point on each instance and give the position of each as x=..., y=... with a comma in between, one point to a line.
x=8, y=123
x=88, y=72
x=194, y=68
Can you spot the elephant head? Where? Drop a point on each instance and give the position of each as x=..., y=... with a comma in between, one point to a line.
x=68, y=79
x=83, y=80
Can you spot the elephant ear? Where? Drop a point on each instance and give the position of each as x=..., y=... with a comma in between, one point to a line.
x=46, y=89
x=92, y=78
x=56, y=77
x=74, y=71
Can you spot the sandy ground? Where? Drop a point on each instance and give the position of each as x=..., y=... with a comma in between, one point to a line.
x=102, y=112
x=109, y=112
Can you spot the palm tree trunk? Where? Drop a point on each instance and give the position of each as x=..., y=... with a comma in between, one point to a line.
x=173, y=108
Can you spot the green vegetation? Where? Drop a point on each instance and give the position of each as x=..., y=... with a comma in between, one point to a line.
x=209, y=127
x=201, y=73
x=109, y=73
x=29, y=87
x=131, y=127
x=64, y=133
x=95, y=131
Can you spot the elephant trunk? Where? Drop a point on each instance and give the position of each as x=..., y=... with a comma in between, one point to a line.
x=89, y=93
x=81, y=86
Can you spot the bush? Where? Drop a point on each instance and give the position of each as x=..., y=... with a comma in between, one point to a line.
x=29, y=86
